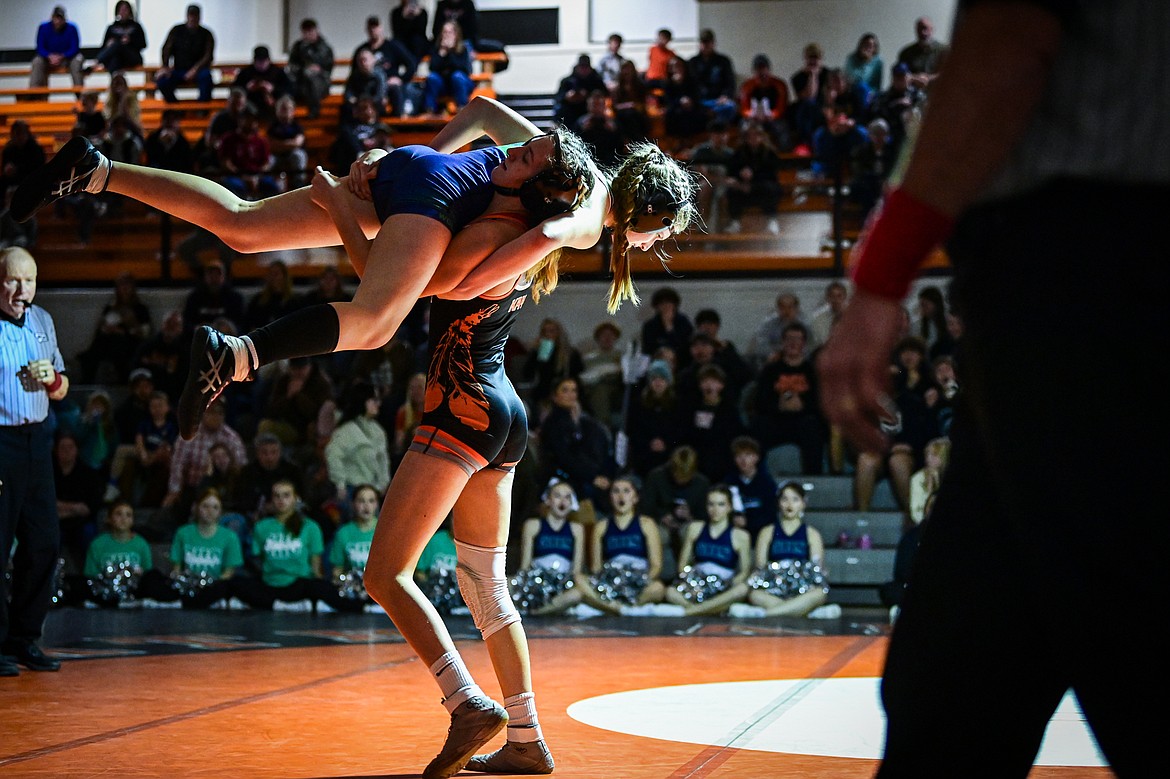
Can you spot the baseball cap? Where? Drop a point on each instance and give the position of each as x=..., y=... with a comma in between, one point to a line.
x=59, y=10
x=140, y=373
x=261, y=53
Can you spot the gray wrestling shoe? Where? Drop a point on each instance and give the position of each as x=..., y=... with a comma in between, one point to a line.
x=473, y=724
x=515, y=757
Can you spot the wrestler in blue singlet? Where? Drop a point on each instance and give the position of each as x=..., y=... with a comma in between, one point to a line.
x=555, y=542
x=630, y=541
x=716, y=550
x=450, y=188
x=789, y=547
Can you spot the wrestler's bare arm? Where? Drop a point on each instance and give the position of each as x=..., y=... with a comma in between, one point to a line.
x=483, y=116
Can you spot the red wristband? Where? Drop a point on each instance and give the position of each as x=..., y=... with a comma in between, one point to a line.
x=897, y=239
x=55, y=384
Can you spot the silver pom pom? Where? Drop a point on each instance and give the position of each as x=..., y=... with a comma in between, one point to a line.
x=696, y=586
x=442, y=589
x=117, y=583
x=535, y=587
x=620, y=583
x=187, y=582
x=351, y=586
x=789, y=578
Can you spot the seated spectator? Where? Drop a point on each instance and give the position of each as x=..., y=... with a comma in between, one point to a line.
x=715, y=78
x=326, y=289
x=120, y=548
x=787, y=406
x=767, y=341
x=789, y=538
x=653, y=421
x=147, y=475
x=225, y=120
x=122, y=101
x=598, y=129
x=611, y=62
x=21, y=155
x=755, y=169
x=930, y=324
x=286, y=141
x=167, y=148
x=310, y=66
x=245, y=159
x=711, y=160
x=213, y=297
x=551, y=358
x=601, y=380
x=711, y=420
x=763, y=100
x=91, y=118
x=80, y=490
x=97, y=437
x=941, y=401
x=164, y=354
x=358, y=136
x=705, y=352
x=923, y=58
x=574, y=446
x=121, y=329
x=408, y=26
x=668, y=327
x=897, y=104
x=294, y=404
x=448, y=70
x=273, y=300
x=863, y=65
x=927, y=479
x=754, y=485
x=134, y=409
x=287, y=548
x=264, y=82
x=675, y=494
x=122, y=43
x=629, y=105
x=224, y=476
x=683, y=113
x=835, y=143
x=716, y=553
x=626, y=549
x=58, y=49
x=358, y=452
x=387, y=369
x=349, y=551
x=460, y=12
x=550, y=579
x=805, y=113
x=258, y=475
x=205, y=555
x=826, y=316
x=189, y=463
x=393, y=64
x=186, y=59
x=727, y=357
x=574, y=90
x=658, y=58
x=408, y=415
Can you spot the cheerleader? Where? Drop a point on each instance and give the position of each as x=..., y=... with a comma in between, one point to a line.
x=715, y=561
x=552, y=550
x=627, y=554
x=789, y=558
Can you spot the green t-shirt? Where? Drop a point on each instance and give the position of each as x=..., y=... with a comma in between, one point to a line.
x=439, y=551
x=192, y=552
x=284, y=559
x=351, y=548
x=105, y=550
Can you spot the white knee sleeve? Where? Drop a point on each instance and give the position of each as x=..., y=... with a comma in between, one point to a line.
x=485, y=587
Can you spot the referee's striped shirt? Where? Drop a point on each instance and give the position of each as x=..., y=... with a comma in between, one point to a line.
x=1106, y=105
x=23, y=398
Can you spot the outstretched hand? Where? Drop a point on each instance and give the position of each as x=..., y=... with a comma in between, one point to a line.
x=854, y=370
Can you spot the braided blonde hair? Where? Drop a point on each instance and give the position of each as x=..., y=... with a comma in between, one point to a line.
x=646, y=171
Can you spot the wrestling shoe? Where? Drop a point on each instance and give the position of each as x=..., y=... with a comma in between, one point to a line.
x=473, y=724
x=515, y=757
x=77, y=167
x=216, y=361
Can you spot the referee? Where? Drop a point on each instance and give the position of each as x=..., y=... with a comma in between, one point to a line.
x=30, y=375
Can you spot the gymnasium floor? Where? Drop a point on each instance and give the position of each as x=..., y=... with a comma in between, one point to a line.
x=168, y=693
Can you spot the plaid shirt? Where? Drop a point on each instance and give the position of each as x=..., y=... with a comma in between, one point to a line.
x=190, y=460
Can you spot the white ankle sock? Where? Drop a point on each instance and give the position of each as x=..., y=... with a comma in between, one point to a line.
x=101, y=174
x=522, y=723
x=454, y=680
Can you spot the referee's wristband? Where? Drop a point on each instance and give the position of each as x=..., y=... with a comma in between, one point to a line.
x=55, y=384
x=897, y=240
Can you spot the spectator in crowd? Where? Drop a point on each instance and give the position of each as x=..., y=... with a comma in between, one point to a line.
x=91, y=118
x=358, y=452
x=326, y=289
x=122, y=43
x=715, y=548
x=787, y=407
x=211, y=298
x=462, y=13
x=931, y=322
x=898, y=103
x=629, y=105
x=675, y=494
x=574, y=90
x=824, y=317
x=189, y=463
x=684, y=115
x=349, y=551
x=134, y=409
x=363, y=132
x=246, y=161
x=871, y=165
x=941, y=398
x=86, y=209
x=768, y=339
x=924, y=56
x=122, y=101
x=863, y=65
x=224, y=475
x=601, y=378
x=22, y=155
x=154, y=444
x=806, y=115
x=711, y=159
x=273, y=300
x=711, y=420
x=407, y=417
x=927, y=479
x=657, y=59
x=122, y=327
x=551, y=358
x=448, y=70
x=627, y=541
x=854, y=99
x=120, y=546
x=835, y=143
x=58, y=48
x=224, y=121
x=205, y=549
x=80, y=490
x=187, y=55
x=260, y=474
x=97, y=437
x=715, y=78
x=574, y=446
x=654, y=419
x=763, y=99
x=165, y=355
x=167, y=147
x=408, y=26
x=598, y=129
x=668, y=327
x=286, y=141
x=393, y=63
x=727, y=357
x=264, y=82
x=123, y=144
x=610, y=63
x=294, y=404
x=755, y=180
x=310, y=66
x=754, y=485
